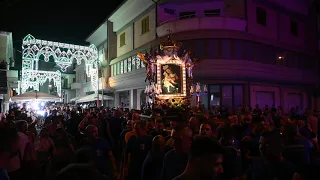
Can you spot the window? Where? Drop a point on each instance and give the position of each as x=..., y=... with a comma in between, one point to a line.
x=129, y=64
x=125, y=66
x=169, y=11
x=294, y=27
x=115, y=70
x=121, y=67
x=145, y=25
x=123, y=39
x=118, y=68
x=215, y=95
x=212, y=13
x=227, y=97
x=261, y=16
x=112, y=70
x=133, y=63
x=187, y=15
x=137, y=63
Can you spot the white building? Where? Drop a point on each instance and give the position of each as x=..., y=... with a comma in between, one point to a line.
x=10, y=79
x=254, y=52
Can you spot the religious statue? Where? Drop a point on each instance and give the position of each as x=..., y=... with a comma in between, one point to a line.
x=170, y=79
x=150, y=67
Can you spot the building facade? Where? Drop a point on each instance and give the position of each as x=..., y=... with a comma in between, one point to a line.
x=9, y=75
x=253, y=52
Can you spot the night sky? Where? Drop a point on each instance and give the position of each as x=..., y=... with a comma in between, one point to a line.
x=65, y=21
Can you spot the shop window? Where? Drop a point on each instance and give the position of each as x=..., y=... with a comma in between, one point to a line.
x=215, y=95
x=237, y=96
x=226, y=49
x=227, y=99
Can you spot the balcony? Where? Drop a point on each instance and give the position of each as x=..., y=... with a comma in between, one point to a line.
x=76, y=85
x=201, y=23
x=12, y=75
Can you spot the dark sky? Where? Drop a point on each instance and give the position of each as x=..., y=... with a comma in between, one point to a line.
x=65, y=21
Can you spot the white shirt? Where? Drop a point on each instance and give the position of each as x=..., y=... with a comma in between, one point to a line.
x=15, y=161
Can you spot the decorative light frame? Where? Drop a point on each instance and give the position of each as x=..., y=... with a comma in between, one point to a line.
x=176, y=61
x=63, y=54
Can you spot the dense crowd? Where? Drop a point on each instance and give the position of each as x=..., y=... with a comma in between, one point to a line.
x=102, y=143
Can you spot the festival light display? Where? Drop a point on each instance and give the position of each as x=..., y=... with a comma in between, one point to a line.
x=169, y=75
x=62, y=54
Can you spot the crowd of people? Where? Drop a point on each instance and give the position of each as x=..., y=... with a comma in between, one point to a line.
x=103, y=143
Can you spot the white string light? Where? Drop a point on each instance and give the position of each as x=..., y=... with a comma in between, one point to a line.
x=63, y=55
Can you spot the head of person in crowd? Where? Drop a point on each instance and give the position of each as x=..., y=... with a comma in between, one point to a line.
x=194, y=123
x=206, y=129
x=257, y=124
x=91, y=132
x=182, y=138
x=140, y=128
x=271, y=145
x=9, y=143
x=160, y=126
x=205, y=159
x=22, y=126
x=135, y=116
x=44, y=133
x=173, y=124
x=158, y=144
x=227, y=136
x=150, y=125
x=129, y=125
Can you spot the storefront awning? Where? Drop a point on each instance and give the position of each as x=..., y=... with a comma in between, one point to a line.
x=94, y=97
x=75, y=99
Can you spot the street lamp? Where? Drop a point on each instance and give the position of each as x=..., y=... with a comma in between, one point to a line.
x=196, y=91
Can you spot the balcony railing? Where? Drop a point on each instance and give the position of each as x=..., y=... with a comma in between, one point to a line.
x=181, y=24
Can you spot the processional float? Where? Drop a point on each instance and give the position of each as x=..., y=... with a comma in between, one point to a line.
x=169, y=75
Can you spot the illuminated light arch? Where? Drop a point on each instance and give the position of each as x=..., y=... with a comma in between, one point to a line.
x=63, y=55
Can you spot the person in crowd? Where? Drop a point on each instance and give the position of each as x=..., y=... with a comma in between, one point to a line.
x=296, y=148
x=9, y=141
x=104, y=160
x=150, y=125
x=137, y=149
x=205, y=160
x=85, y=156
x=122, y=141
x=232, y=158
x=194, y=123
x=175, y=160
x=159, y=130
x=80, y=172
x=64, y=150
x=151, y=168
x=272, y=165
x=15, y=166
